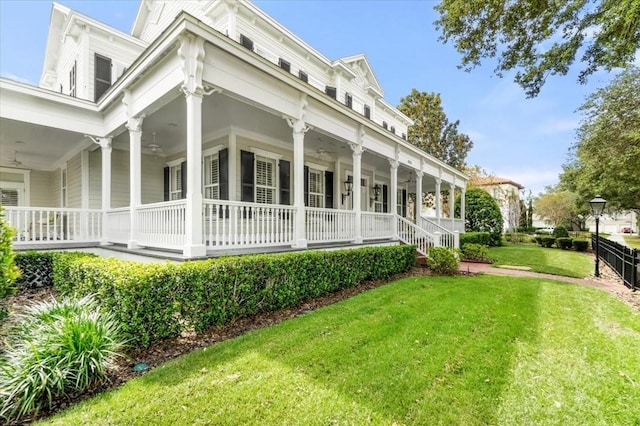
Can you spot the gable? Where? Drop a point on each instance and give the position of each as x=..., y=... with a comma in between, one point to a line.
x=365, y=76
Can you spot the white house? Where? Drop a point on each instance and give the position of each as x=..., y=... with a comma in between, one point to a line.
x=210, y=127
x=506, y=192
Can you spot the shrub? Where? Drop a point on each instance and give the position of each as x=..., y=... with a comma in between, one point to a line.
x=538, y=239
x=443, y=260
x=57, y=348
x=560, y=232
x=473, y=251
x=9, y=272
x=564, y=243
x=36, y=268
x=482, y=238
x=157, y=301
x=547, y=241
x=581, y=245
x=482, y=214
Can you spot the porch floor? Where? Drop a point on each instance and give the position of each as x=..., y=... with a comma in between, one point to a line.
x=150, y=255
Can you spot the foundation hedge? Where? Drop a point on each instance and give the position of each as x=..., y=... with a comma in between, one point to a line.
x=158, y=301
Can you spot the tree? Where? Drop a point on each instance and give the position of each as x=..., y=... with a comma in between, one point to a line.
x=606, y=157
x=482, y=214
x=561, y=208
x=542, y=38
x=432, y=131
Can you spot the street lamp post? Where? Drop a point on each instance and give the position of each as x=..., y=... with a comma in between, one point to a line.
x=597, y=207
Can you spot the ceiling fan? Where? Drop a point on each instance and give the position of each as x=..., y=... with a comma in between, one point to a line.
x=154, y=147
x=324, y=153
x=14, y=161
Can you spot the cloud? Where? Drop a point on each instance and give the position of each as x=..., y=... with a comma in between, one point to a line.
x=532, y=179
x=555, y=126
x=14, y=77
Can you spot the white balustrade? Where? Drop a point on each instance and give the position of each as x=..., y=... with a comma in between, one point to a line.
x=118, y=225
x=377, y=225
x=409, y=233
x=443, y=236
x=48, y=225
x=236, y=224
x=327, y=225
x=162, y=224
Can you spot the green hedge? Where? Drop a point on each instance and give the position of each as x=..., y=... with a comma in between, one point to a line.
x=482, y=238
x=37, y=267
x=157, y=301
x=564, y=243
x=581, y=245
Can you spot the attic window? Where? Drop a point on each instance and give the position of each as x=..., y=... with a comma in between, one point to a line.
x=102, y=76
x=284, y=65
x=404, y=136
x=393, y=130
x=331, y=91
x=385, y=125
x=303, y=76
x=348, y=100
x=367, y=111
x=246, y=42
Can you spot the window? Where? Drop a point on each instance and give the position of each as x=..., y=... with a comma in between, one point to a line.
x=284, y=65
x=316, y=188
x=265, y=180
x=246, y=42
x=367, y=112
x=404, y=136
x=348, y=100
x=303, y=76
x=331, y=91
x=393, y=130
x=175, y=182
x=9, y=197
x=72, y=79
x=385, y=125
x=102, y=76
x=211, y=176
x=63, y=187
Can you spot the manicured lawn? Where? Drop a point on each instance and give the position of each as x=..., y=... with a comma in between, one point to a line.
x=546, y=260
x=461, y=350
x=633, y=241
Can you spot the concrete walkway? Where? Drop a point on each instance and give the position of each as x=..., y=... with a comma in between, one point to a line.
x=618, y=238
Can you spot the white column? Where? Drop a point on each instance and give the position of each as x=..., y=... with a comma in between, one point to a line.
x=298, y=184
x=134, y=124
x=357, y=178
x=105, y=147
x=233, y=162
x=462, y=204
x=438, y=200
x=393, y=199
x=84, y=198
x=194, y=244
x=452, y=200
x=338, y=186
x=419, y=197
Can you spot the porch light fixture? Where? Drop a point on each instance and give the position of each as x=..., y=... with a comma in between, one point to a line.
x=376, y=193
x=597, y=207
x=348, y=187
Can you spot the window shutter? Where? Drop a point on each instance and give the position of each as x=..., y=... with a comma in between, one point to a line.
x=223, y=165
x=246, y=42
x=246, y=176
x=404, y=203
x=166, y=184
x=285, y=65
x=385, y=125
x=303, y=76
x=285, y=182
x=385, y=198
x=348, y=100
x=183, y=173
x=328, y=190
x=306, y=185
x=367, y=111
x=331, y=91
x=102, y=80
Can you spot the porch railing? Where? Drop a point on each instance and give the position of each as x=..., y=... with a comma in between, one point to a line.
x=44, y=225
x=162, y=224
x=239, y=224
x=409, y=233
x=446, y=237
x=377, y=225
x=118, y=225
x=324, y=225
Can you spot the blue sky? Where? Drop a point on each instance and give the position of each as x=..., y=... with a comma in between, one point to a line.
x=526, y=140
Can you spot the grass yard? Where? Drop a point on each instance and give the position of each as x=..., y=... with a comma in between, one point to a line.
x=633, y=241
x=423, y=350
x=546, y=260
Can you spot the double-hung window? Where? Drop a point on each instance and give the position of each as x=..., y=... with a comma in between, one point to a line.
x=211, y=176
x=175, y=181
x=265, y=180
x=400, y=202
x=316, y=188
x=63, y=187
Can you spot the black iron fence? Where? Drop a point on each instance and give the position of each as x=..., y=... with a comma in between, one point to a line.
x=622, y=259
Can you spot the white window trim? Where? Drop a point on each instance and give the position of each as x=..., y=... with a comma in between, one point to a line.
x=276, y=172
x=316, y=166
x=266, y=154
x=26, y=182
x=64, y=186
x=322, y=184
x=208, y=153
x=212, y=150
x=175, y=162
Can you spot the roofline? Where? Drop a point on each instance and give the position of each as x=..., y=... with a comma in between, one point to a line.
x=500, y=181
x=50, y=95
x=363, y=56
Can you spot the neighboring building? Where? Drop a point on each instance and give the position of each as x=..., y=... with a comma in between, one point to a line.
x=613, y=223
x=210, y=127
x=507, y=193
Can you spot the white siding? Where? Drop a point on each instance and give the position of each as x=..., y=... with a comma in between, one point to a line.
x=43, y=189
x=95, y=179
x=74, y=182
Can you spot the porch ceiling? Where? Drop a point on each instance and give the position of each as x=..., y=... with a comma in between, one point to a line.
x=36, y=147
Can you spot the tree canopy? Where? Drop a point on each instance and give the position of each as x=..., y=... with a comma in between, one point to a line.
x=561, y=208
x=606, y=157
x=432, y=131
x=542, y=38
x=482, y=214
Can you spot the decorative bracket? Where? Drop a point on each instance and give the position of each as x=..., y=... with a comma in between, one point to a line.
x=105, y=143
x=191, y=53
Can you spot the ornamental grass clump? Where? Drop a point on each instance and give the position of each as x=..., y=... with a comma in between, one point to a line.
x=57, y=348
